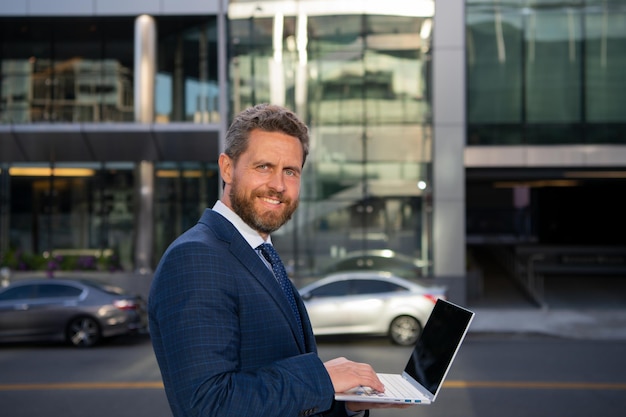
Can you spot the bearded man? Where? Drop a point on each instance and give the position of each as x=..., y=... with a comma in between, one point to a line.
x=231, y=334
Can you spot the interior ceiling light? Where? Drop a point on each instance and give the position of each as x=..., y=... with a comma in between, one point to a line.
x=46, y=172
x=174, y=173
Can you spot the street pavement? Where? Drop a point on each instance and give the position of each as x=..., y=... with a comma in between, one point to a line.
x=594, y=315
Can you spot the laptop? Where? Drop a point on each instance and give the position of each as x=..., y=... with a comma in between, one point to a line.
x=430, y=361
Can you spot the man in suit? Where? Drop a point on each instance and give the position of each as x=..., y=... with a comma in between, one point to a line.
x=227, y=341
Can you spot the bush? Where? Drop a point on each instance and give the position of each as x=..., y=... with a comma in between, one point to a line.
x=17, y=260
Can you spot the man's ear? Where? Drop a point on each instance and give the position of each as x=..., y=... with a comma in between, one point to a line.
x=226, y=167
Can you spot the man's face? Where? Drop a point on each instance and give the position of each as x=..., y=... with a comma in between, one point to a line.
x=263, y=187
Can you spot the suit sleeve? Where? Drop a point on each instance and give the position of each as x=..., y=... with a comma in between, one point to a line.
x=221, y=344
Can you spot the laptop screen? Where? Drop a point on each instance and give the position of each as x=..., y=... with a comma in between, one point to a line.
x=437, y=345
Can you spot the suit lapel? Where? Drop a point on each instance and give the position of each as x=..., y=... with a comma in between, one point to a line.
x=262, y=273
x=240, y=248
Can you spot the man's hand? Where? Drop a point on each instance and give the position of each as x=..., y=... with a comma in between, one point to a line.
x=346, y=374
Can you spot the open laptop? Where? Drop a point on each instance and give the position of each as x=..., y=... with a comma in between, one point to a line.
x=429, y=363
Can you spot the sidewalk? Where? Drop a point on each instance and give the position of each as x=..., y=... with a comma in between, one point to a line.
x=578, y=307
x=589, y=324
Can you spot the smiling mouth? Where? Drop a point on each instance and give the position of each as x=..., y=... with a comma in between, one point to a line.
x=271, y=200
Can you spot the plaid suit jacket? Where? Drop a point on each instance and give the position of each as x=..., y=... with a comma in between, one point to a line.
x=225, y=338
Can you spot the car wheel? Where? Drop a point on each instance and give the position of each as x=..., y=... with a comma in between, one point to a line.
x=404, y=330
x=83, y=332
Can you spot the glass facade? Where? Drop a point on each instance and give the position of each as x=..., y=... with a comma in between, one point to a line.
x=186, y=81
x=359, y=73
x=359, y=78
x=76, y=70
x=66, y=70
x=182, y=192
x=80, y=70
x=72, y=209
x=546, y=72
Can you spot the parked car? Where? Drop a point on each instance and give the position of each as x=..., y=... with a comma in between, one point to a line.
x=78, y=312
x=370, y=303
x=378, y=260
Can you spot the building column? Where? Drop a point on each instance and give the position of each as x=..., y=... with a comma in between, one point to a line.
x=222, y=79
x=145, y=76
x=449, y=130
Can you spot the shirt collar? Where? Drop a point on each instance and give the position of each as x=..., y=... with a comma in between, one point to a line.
x=249, y=234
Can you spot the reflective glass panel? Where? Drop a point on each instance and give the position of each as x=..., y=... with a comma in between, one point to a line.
x=553, y=67
x=546, y=72
x=360, y=78
x=605, y=58
x=66, y=70
x=494, y=65
x=186, y=81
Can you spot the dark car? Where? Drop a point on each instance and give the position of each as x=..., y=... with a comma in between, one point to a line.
x=79, y=312
x=378, y=260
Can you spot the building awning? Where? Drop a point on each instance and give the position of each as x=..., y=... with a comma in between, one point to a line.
x=97, y=142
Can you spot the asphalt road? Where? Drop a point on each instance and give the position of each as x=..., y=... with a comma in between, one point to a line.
x=493, y=375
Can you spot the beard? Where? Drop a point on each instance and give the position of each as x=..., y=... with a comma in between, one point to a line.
x=262, y=222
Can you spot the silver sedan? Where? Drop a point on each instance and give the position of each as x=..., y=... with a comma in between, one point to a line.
x=370, y=303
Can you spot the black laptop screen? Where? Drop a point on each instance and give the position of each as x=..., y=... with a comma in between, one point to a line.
x=438, y=344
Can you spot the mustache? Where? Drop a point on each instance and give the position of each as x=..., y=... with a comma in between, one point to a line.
x=276, y=195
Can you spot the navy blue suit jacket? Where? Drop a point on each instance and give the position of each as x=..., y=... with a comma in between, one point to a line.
x=224, y=336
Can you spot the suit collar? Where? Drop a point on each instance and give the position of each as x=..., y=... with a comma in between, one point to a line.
x=249, y=234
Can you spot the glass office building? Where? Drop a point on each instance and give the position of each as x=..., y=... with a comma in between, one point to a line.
x=112, y=116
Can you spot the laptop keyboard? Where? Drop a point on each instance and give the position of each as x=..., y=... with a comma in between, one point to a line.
x=394, y=388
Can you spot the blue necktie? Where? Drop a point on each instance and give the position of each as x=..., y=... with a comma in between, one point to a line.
x=280, y=273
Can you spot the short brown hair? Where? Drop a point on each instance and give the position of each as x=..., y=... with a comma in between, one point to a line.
x=269, y=118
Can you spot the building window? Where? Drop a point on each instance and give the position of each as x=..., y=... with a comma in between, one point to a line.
x=360, y=80
x=66, y=70
x=546, y=74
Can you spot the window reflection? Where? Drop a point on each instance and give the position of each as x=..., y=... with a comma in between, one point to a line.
x=182, y=192
x=360, y=79
x=186, y=84
x=546, y=72
x=67, y=70
x=71, y=207
x=74, y=70
x=553, y=65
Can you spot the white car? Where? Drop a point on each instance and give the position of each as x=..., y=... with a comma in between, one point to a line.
x=370, y=303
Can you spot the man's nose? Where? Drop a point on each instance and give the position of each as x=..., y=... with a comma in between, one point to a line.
x=277, y=181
